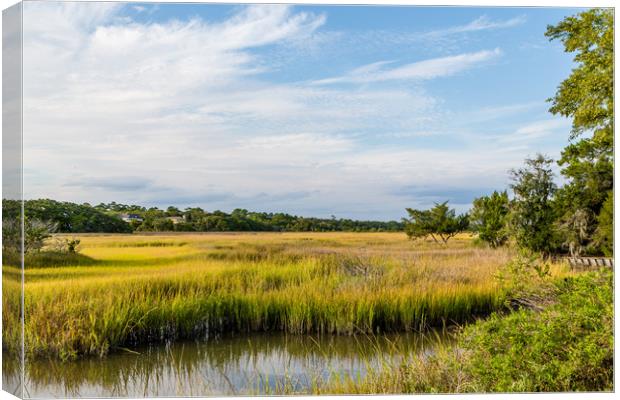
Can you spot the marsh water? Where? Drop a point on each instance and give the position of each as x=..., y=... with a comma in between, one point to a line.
x=237, y=365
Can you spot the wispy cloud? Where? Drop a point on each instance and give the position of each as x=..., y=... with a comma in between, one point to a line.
x=417, y=71
x=482, y=23
x=445, y=40
x=539, y=129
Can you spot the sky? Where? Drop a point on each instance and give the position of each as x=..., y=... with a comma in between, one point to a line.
x=352, y=111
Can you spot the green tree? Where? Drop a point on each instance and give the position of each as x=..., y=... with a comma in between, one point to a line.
x=604, y=234
x=587, y=94
x=438, y=221
x=587, y=97
x=489, y=216
x=35, y=231
x=532, y=214
x=173, y=212
x=162, y=225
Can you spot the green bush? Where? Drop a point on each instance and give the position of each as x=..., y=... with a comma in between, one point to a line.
x=568, y=346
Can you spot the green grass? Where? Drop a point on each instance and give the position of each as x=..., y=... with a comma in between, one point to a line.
x=184, y=286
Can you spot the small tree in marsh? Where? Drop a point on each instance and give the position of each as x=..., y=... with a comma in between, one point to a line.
x=489, y=216
x=440, y=221
x=532, y=215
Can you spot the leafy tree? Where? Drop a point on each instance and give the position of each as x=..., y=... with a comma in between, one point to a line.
x=575, y=226
x=438, y=221
x=68, y=217
x=163, y=225
x=587, y=97
x=35, y=233
x=11, y=239
x=489, y=216
x=587, y=94
x=532, y=215
x=173, y=212
x=604, y=235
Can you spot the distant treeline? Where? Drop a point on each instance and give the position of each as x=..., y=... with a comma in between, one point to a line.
x=108, y=218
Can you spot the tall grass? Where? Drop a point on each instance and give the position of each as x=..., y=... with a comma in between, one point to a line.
x=195, y=285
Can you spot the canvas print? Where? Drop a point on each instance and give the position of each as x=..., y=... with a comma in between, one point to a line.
x=284, y=199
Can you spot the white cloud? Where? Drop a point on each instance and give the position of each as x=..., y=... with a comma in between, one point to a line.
x=421, y=70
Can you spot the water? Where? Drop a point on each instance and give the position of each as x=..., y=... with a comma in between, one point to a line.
x=241, y=365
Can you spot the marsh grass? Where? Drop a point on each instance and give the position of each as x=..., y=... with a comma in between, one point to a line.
x=189, y=286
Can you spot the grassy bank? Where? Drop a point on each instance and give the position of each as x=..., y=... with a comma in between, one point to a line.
x=125, y=290
x=562, y=342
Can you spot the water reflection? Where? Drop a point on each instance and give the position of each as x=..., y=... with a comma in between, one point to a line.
x=242, y=365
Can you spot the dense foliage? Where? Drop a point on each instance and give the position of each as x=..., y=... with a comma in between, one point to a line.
x=440, y=221
x=198, y=220
x=604, y=234
x=566, y=347
x=488, y=217
x=73, y=218
x=532, y=215
x=67, y=217
x=587, y=97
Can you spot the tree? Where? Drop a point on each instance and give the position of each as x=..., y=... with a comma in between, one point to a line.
x=162, y=225
x=68, y=217
x=532, y=215
x=438, y=221
x=604, y=234
x=587, y=94
x=35, y=233
x=489, y=216
x=173, y=212
x=587, y=97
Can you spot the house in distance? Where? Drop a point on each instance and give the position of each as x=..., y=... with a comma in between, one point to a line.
x=131, y=217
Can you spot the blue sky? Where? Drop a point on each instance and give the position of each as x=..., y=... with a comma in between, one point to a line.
x=346, y=110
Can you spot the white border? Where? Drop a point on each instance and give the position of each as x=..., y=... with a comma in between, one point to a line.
x=483, y=3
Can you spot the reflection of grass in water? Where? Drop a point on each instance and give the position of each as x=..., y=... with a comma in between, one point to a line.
x=375, y=356
x=340, y=283
x=296, y=363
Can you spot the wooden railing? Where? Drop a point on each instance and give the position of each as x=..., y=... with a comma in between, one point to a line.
x=589, y=262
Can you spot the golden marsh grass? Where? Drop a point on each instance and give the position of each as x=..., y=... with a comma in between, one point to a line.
x=129, y=289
